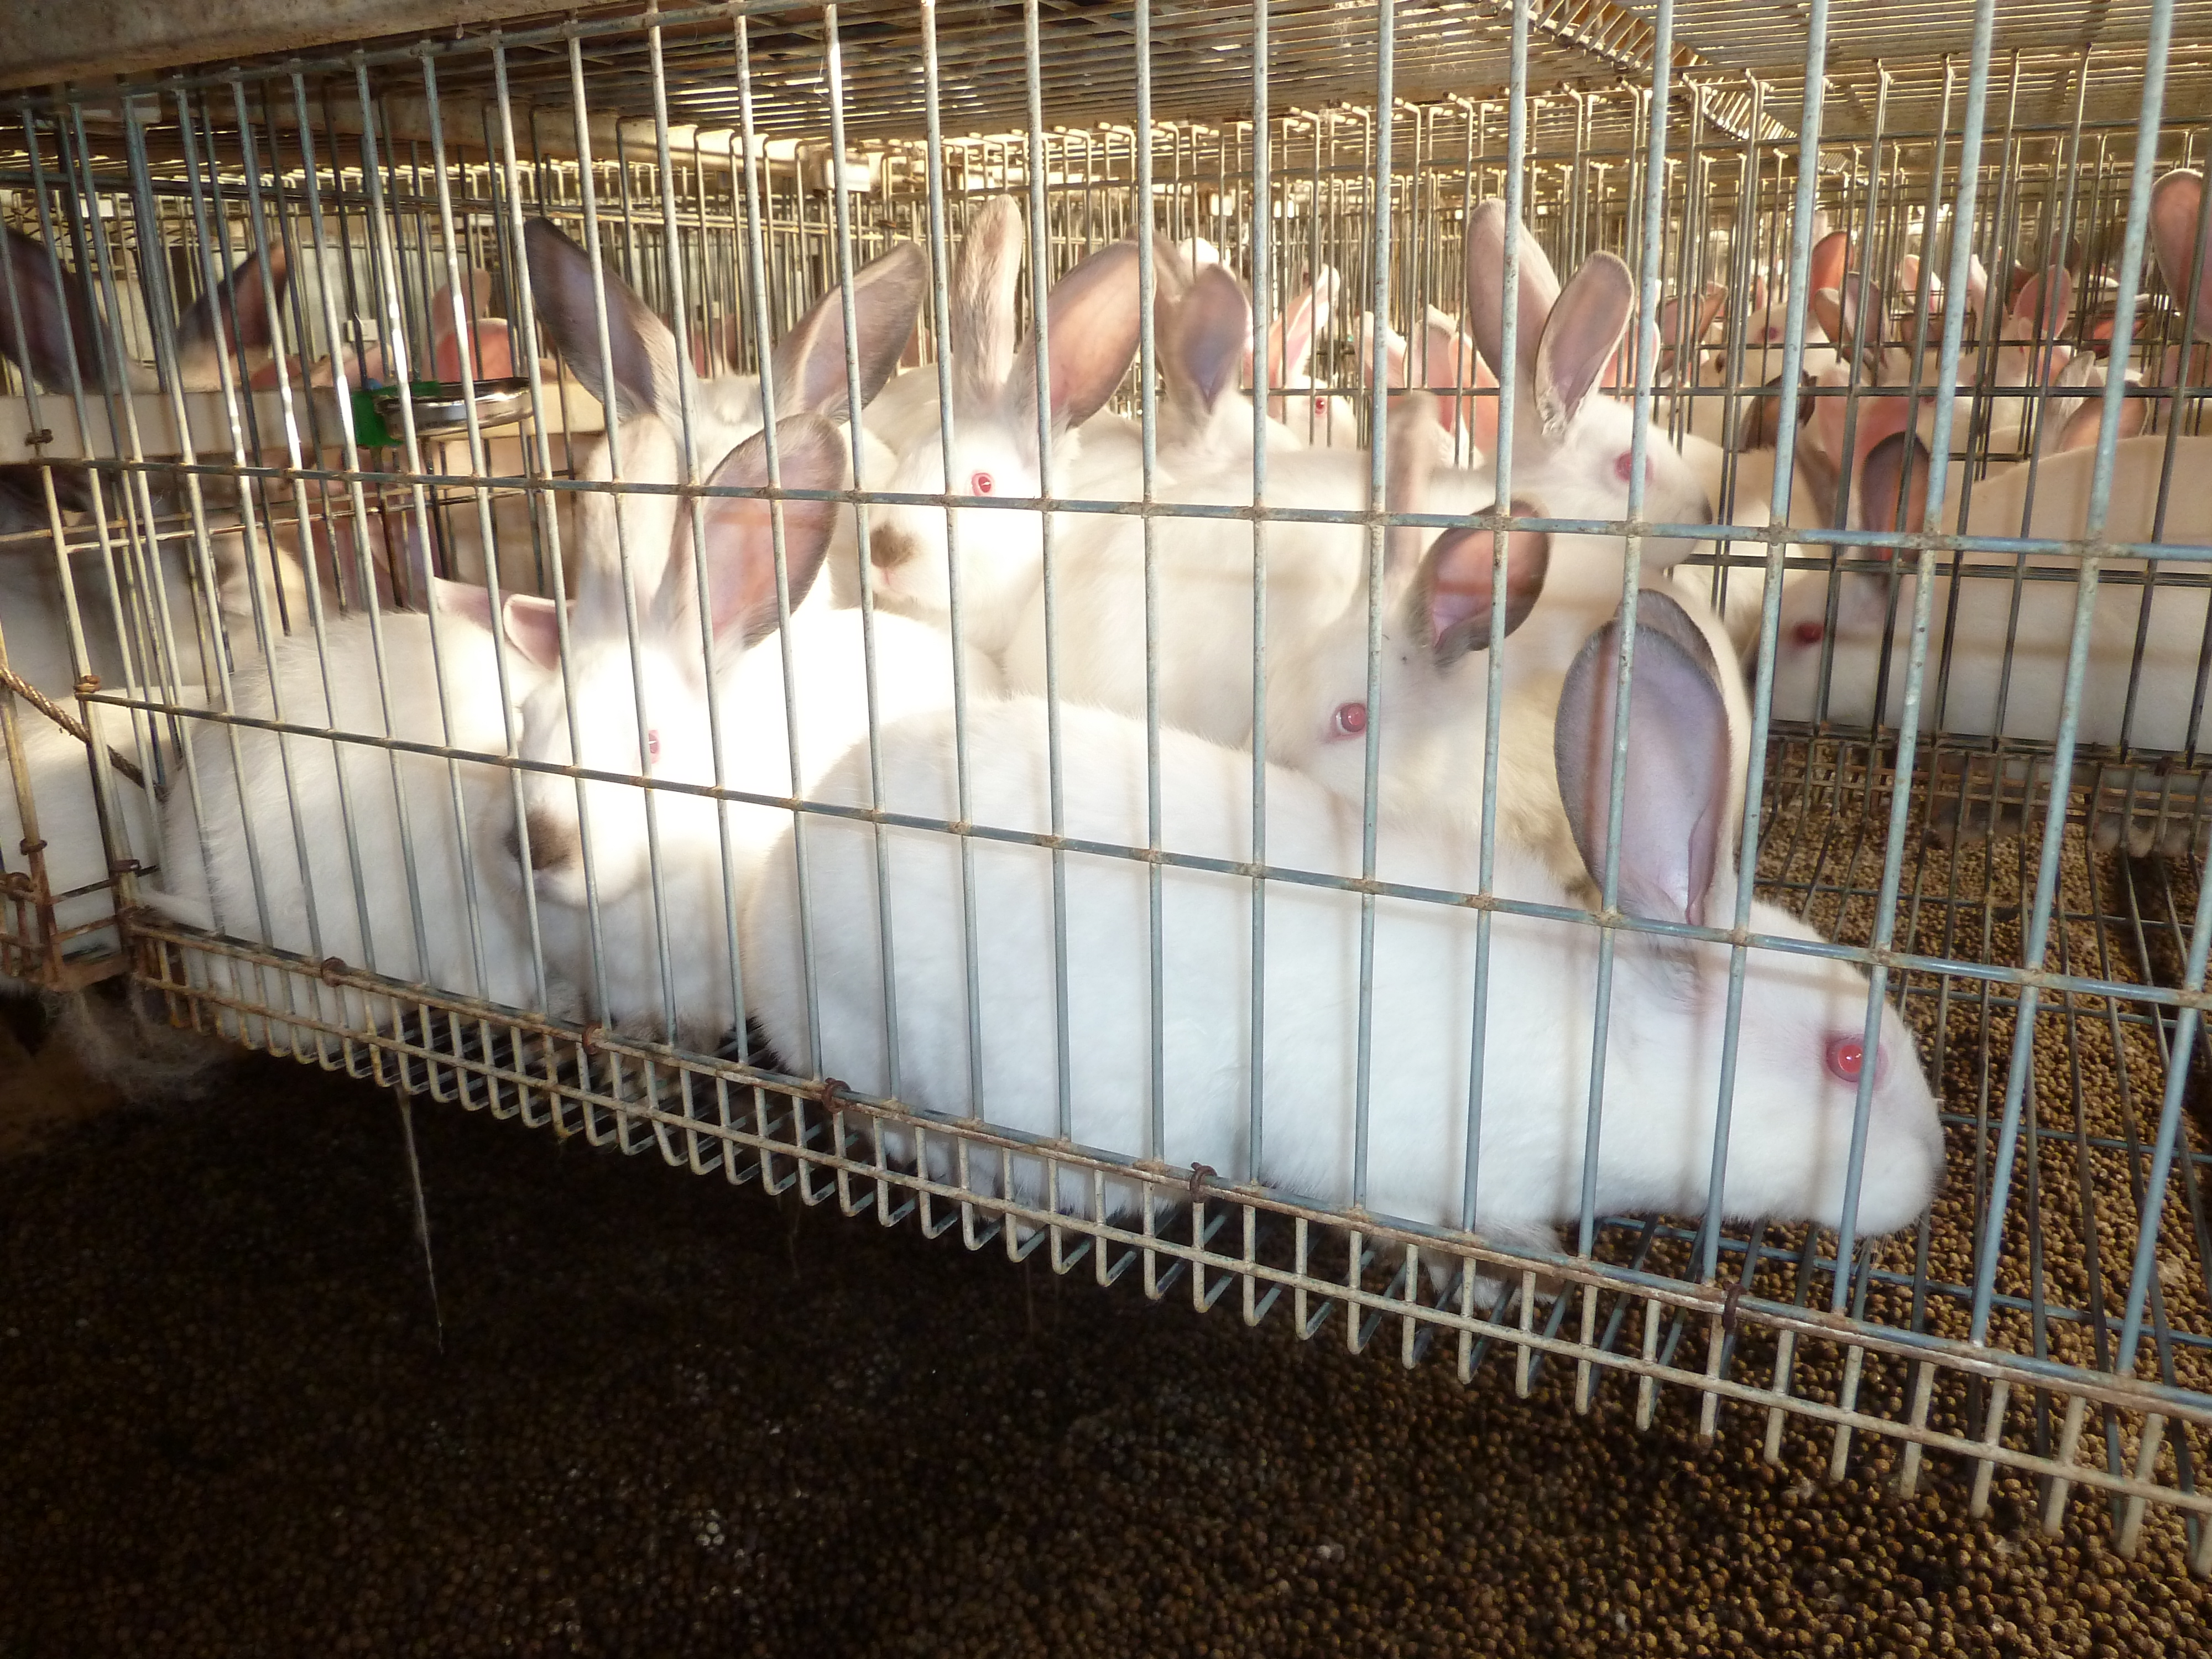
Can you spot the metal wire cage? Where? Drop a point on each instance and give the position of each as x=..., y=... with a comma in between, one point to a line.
x=314, y=510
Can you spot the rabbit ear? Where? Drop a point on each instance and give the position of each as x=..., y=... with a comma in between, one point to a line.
x=530, y=626
x=1485, y=292
x=1290, y=337
x=1978, y=284
x=58, y=326
x=1674, y=809
x=2046, y=303
x=1213, y=328
x=1893, y=485
x=642, y=379
x=1583, y=330
x=1409, y=459
x=981, y=326
x=463, y=599
x=1832, y=256
x=1451, y=598
x=233, y=316
x=1093, y=316
x=738, y=535
x=808, y=365
x=2085, y=423
x=2177, y=227
x=1396, y=371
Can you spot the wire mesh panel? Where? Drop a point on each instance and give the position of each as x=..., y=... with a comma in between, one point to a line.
x=1523, y=674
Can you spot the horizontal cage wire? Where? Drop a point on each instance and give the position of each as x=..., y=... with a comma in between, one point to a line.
x=1520, y=678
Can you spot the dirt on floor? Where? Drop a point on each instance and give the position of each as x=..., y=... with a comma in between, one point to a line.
x=664, y=1417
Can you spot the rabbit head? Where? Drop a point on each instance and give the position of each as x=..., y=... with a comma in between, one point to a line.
x=1321, y=419
x=1801, y=1052
x=1572, y=444
x=1436, y=608
x=1205, y=340
x=646, y=713
x=1092, y=325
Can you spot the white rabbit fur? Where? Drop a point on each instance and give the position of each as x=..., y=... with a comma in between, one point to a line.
x=1092, y=313
x=2039, y=639
x=238, y=814
x=1205, y=569
x=1792, y=1123
x=69, y=818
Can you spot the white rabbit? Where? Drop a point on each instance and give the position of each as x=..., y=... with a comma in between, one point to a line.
x=1802, y=1020
x=329, y=847
x=1571, y=449
x=1985, y=654
x=75, y=852
x=1092, y=313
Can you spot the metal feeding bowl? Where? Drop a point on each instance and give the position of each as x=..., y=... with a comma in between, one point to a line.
x=442, y=407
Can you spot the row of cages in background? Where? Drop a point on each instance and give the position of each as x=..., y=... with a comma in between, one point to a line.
x=1665, y=849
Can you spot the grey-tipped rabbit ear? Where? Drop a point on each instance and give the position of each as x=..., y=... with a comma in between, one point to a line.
x=1581, y=336
x=232, y=316
x=1213, y=333
x=1452, y=598
x=808, y=365
x=1093, y=317
x=981, y=326
x=2183, y=236
x=1675, y=805
x=737, y=532
x=1485, y=292
x=1893, y=485
x=640, y=376
x=58, y=327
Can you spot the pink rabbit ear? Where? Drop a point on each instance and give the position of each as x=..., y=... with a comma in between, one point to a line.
x=1978, y=285
x=531, y=627
x=1832, y=256
x=2176, y=210
x=2045, y=303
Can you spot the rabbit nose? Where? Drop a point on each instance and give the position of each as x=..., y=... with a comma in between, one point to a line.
x=554, y=844
x=891, y=547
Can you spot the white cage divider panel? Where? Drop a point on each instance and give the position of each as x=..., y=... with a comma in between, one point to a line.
x=273, y=478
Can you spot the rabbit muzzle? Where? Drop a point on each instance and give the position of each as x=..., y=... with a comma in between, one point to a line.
x=557, y=849
x=889, y=546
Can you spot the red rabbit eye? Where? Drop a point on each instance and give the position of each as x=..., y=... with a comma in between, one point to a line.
x=1350, y=719
x=652, y=745
x=1320, y=405
x=982, y=483
x=1846, y=1059
x=1809, y=633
